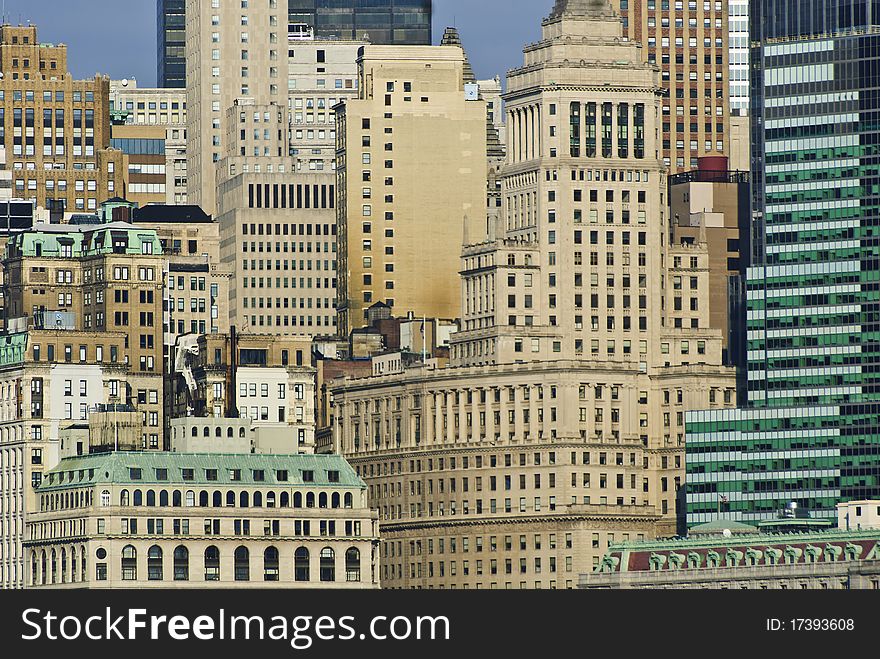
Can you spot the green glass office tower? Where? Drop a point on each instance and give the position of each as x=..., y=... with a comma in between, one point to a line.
x=810, y=432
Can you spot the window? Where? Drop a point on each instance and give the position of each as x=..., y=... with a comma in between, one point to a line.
x=129, y=563
x=212, y=564
x=154, y=563
x=328, y=564
x=242, y=564
x=181, y=564
x=301, y=564
x=270, y=564
x=352, y=564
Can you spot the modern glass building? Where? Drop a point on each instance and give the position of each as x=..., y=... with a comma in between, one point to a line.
x=406, y=22
x=171, y=43
x=811, y=430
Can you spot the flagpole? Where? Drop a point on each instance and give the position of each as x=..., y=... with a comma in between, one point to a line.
x=424, y=340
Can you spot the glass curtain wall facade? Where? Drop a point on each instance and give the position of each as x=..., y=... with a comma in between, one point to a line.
x=810, y=432
x=399, y=22
x=171, y=44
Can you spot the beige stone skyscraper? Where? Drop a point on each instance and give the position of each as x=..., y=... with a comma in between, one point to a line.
x=411, y=166
x=559, y=428
x=688, y=40
x=233, y=50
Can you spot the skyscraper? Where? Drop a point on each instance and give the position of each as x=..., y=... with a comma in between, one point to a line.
x=411, y=168
x=688, y=41
x=171, y=43
x=56, y=130
x=399, y=22
x=809, y=432
x=559, y=427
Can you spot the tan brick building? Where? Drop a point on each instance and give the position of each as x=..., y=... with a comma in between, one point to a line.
x=688, y=40
x=559, y=427
x=56, y=130
x=411, y=166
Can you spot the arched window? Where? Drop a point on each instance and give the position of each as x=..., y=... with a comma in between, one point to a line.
x=138, y=498
x=230, y=498
x=154, y=563
x=73, y=574
x=217, y=499
x=151, y=498
x=206, y=432
x=242, y=564
x=270, y=499
x=348, y=500
x=129, y=563
x=190, y=499
x=285, y=500
x=175, y=499
x=212, y=564
x=300, y=564
x=63, y=565
x=181, y=563
x=297, y=500
x=229, y=432
x=243, y=500
x=163, y=498
x=54, y=567
x=82, y=564
x=203, y=498
x=334, y=500
x=270, y=564
x=310, y=500
x=322, y=500
x=258, y=499
x=34, y=569
x=124, y=498
x=194, y=432
x=43, y=571
x=218, y=432
x=353, y=564
x=105, y=498
x=328, y=564
x=241, y=432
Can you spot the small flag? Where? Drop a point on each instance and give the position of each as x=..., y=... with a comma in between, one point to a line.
x=422, y=328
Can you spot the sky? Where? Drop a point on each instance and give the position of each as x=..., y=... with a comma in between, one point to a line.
x=118, y=37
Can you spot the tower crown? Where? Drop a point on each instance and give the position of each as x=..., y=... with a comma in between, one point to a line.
x=582, y=9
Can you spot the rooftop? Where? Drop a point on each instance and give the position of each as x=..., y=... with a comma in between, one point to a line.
x=163, y=468
x=167, y=213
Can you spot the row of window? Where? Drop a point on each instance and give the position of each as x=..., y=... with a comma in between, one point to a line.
x=52, y=567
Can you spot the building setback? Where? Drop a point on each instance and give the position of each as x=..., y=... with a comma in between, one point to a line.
x=809, y=431
x=178, y=520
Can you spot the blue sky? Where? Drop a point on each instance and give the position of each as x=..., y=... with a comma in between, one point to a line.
x=118, y=37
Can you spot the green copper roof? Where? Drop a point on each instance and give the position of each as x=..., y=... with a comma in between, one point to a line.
x=13, y=348
x=206, y=469
x=84, y=240
x=719, y=526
